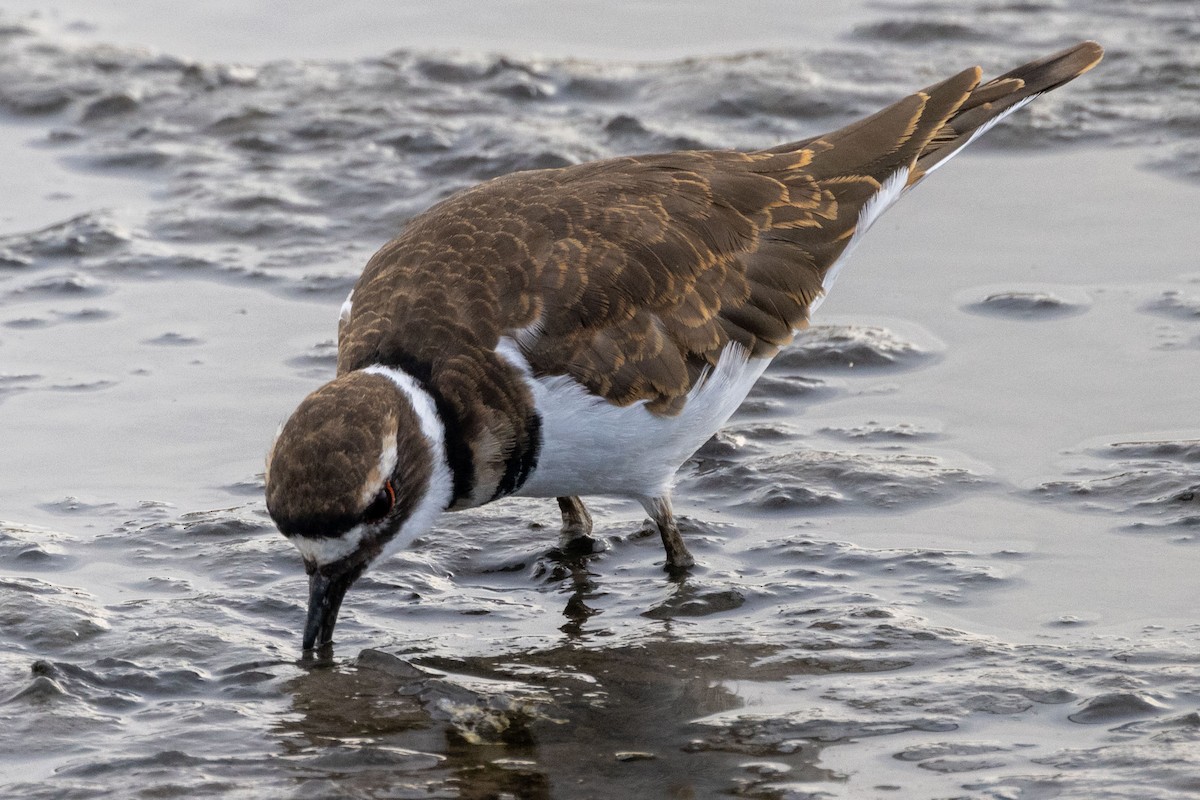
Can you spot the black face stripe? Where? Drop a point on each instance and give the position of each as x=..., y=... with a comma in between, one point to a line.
x=522, y=461
x=316, y=526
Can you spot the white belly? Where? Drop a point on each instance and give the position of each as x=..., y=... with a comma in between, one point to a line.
x=590, y=446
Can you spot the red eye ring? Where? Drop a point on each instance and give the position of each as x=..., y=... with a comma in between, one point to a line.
x=382, y=505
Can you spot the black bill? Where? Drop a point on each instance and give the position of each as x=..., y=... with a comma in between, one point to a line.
x=327, y=586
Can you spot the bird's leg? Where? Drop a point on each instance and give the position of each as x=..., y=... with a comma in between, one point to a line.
x=659, y=509
x=576, y=525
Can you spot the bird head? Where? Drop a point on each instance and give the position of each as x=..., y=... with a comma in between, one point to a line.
x=356, y=473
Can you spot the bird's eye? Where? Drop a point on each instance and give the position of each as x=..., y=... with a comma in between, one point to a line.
x=381, y=505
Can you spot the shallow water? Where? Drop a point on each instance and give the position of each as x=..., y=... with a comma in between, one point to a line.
x=946, y=547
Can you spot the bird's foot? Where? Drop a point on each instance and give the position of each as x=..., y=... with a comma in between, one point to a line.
x=679, y=563
x=579, y=544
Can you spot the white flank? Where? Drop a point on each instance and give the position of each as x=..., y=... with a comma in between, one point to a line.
x=347, y=307
x=441, y=482
x=891, y=190
x=590, y=446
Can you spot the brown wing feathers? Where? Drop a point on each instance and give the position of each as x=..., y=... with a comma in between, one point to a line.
x=632, y=275
x=997, y=96
x=827, y=184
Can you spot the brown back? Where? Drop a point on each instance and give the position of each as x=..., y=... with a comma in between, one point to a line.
x=631, y=275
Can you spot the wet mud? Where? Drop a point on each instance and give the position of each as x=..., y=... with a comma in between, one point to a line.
x=945, y=549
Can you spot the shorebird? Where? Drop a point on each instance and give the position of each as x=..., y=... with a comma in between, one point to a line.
x=584, y=330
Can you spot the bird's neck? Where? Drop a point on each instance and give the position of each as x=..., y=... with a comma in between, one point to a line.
x=488, y=439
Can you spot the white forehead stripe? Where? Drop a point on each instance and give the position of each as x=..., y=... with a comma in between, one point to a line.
x=441, y=481
x=389, y=456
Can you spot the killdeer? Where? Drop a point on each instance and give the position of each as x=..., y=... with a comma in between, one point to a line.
x=584, y=330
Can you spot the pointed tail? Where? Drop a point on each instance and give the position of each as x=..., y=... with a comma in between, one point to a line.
x=991, y=102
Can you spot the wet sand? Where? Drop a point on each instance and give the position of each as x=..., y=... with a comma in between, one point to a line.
x=946, y=547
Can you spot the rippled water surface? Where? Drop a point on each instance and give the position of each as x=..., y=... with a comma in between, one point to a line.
x=947, y=548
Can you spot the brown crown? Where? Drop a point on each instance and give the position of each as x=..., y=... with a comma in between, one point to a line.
x=323, y=470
